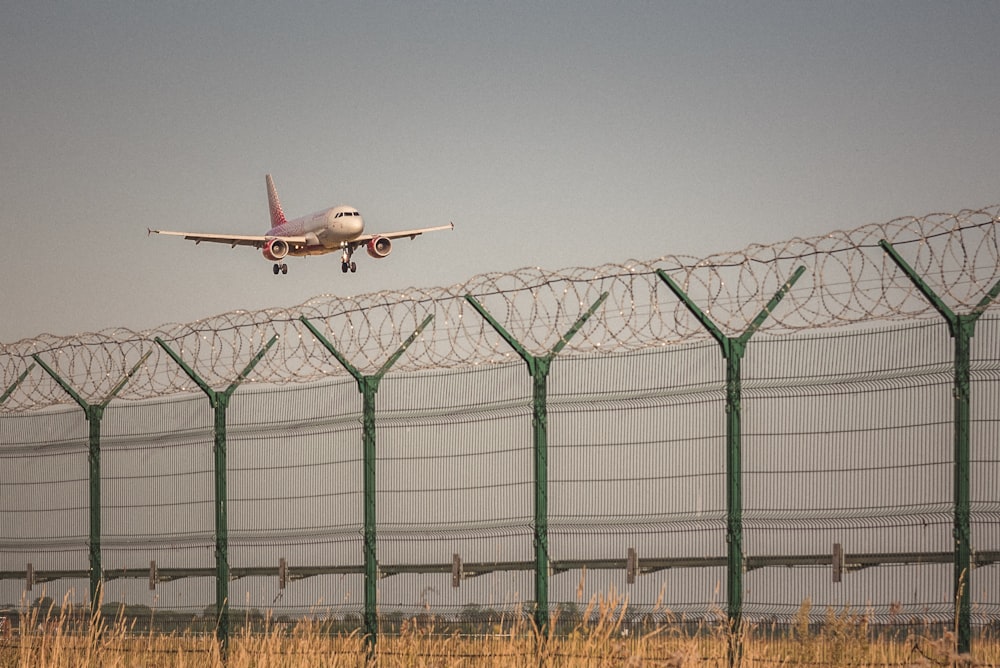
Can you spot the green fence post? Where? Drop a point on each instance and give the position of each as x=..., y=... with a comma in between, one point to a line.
x=368, y=387
x=962, y=328
x=538, y=367
x=20, y=379
x=220, y=402
x=94, y=414
x=733, y=349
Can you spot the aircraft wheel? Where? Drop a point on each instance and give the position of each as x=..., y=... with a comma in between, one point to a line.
x=344, y=267
x=276, y=269
x=354, y=267
x=284, y=268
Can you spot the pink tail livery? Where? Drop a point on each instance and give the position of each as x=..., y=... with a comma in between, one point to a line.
x=277, y=215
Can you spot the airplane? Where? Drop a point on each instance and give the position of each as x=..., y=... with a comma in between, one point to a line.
x=340, y=228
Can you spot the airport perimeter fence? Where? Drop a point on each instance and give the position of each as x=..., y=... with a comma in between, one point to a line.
x=720, y=439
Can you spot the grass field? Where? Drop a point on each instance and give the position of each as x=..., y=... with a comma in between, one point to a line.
x=844, y=639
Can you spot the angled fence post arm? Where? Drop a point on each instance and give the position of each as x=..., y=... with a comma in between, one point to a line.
x=20, y=379
x=564, y=339
x=538, y=367
x=705, y=321
x=733, y=349
x=962, y=328
x=368, y=387
x=924, y=289
x=125, y=379
x=219, y=402
x=188, y=370
x=528, y=358
x=357, y=375
x=402, y=349
x=63, y=384
x=984, y=303
x=250, y=366
x=771, y=305
x=94, y=413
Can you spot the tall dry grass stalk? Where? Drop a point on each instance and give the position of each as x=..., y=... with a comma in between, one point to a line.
x=604, y=636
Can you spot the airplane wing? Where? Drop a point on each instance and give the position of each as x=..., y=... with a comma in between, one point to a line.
x=364, y=238
x=233, y=240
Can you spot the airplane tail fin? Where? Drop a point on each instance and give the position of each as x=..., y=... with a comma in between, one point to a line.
x=277, y=215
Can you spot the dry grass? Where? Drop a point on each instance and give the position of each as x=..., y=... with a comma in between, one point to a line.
x=56, y=640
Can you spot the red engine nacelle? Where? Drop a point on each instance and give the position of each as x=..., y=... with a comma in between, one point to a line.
x=379, y=247
x=275, y=249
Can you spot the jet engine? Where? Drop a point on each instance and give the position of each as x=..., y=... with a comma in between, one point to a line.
x=275, y=249
x=379, y=247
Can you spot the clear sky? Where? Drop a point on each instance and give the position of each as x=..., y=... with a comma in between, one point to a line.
x=553, y=134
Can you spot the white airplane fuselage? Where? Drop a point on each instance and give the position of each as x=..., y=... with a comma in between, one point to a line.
x=326, y=231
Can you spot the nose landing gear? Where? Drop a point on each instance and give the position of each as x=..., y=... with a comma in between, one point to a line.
x=345, y=261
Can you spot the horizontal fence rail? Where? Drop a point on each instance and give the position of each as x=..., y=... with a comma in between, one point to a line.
x=815, y=421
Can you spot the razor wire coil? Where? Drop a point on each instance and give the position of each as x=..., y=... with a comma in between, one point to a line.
x=849, y=280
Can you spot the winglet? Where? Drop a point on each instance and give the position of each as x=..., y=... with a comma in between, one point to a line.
x=277, y=215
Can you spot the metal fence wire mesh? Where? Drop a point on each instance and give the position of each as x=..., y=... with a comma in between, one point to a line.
x=847, y=443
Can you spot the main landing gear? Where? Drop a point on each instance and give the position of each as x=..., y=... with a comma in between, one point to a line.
x=345, y=262
x=280, y=269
